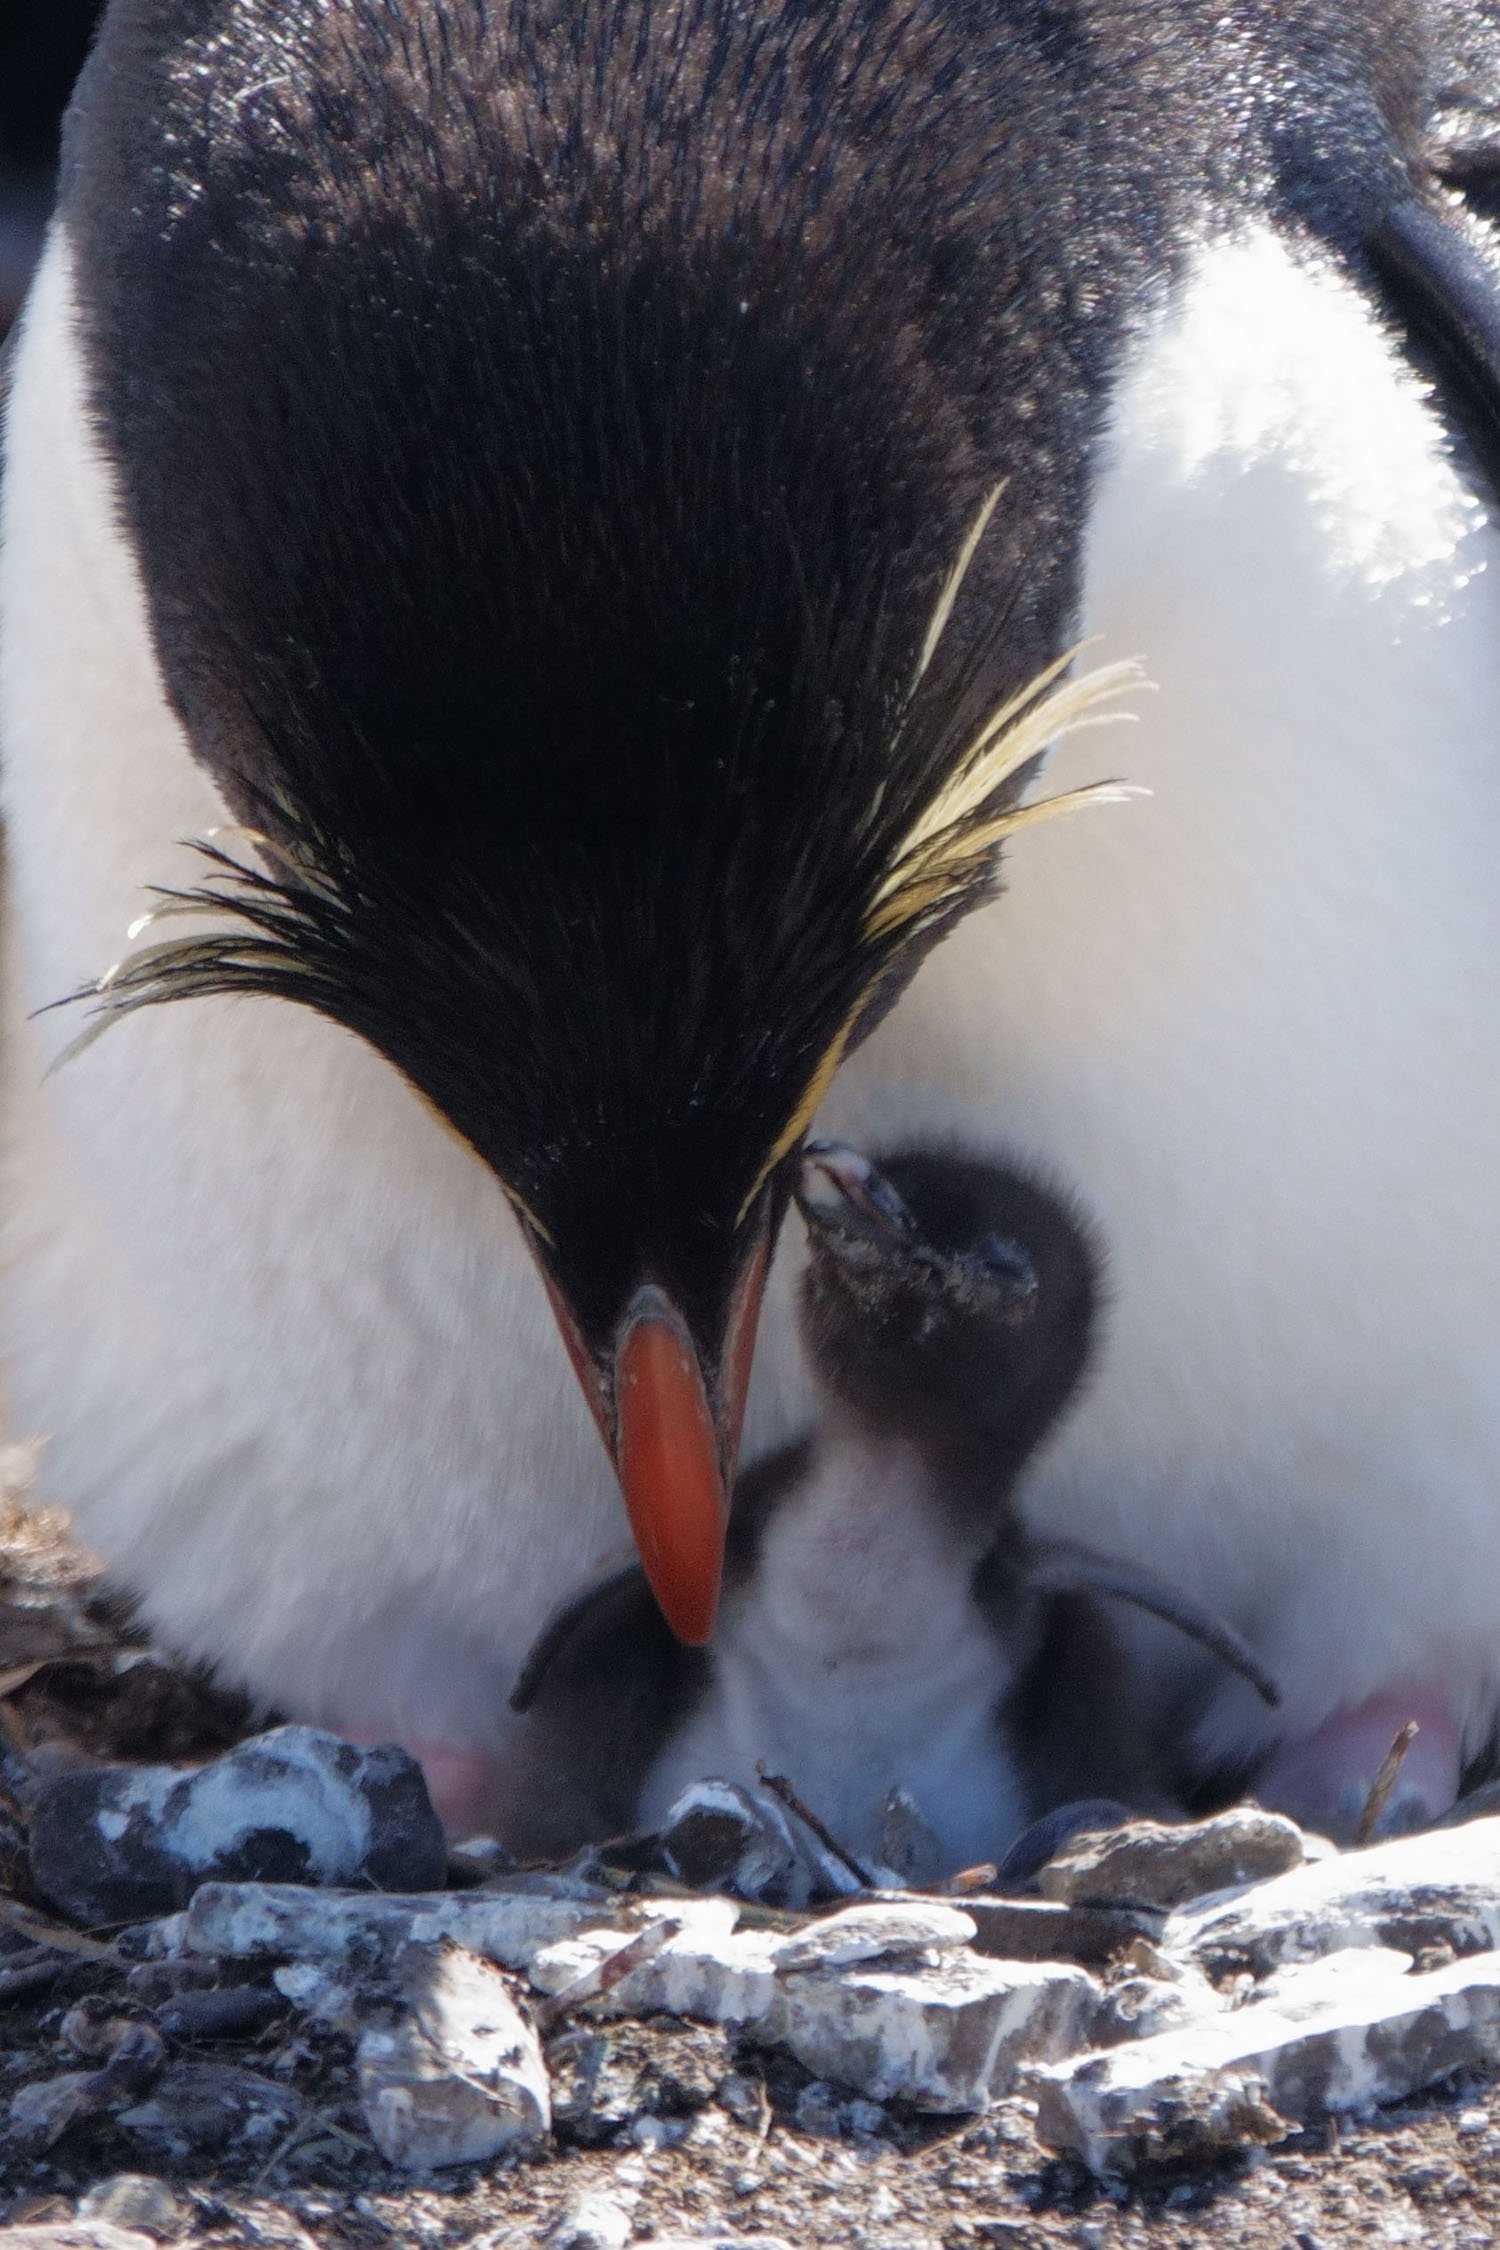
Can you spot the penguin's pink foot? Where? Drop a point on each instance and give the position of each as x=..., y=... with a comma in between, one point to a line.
x=1324, y=1778
x=465, y=1785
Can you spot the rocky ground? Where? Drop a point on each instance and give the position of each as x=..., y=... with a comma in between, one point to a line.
x=265, y=2067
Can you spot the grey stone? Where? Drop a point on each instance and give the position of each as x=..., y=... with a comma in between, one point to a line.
x=595, y=2222
x=948, y=2037
x=131, y=2055
x=602, y=1977
x=744, y=2097
x=874, y=1933
x=1411, y=1893
x=1442, y=2182
x=1163, y=1865
x=1303, y=1989
x=907, y=1846
x=74, y=2234
x=508, y=1924
x=820, y=2109
x=711, y=1969
x=126, y=1843
x=458, y=2077
x=133, y=2199
x=949, y=2034
x=316, y=1992
x=1253, y=2073
x=43, y=2111
x=715, y=2242
x=653, y=2134
x=199, y=2105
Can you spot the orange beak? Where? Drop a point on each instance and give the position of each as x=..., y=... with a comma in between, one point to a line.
x=675, y=1455
x=667, y=1454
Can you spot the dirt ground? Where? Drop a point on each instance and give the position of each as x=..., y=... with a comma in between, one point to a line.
x=1423, y=2174
x=683, y=2131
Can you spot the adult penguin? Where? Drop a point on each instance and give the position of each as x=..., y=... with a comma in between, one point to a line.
x=590, y=500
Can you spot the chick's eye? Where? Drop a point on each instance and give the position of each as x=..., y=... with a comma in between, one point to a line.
x=1010, y=1264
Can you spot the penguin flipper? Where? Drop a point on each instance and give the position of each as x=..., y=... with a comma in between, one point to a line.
x=573, y=1629
x=1440, y=272
x=1078, y=1733
x=601, y=1686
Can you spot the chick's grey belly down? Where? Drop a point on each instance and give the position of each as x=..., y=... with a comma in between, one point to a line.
x=510, y=462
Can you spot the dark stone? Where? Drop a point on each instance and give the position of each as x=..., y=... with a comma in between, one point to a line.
x=112, y=1844
x=207, y=2106
x=46, y=2109
x=1013, y=1929
x=744, y=1843
x=232, y=2013
x=1162, y=1864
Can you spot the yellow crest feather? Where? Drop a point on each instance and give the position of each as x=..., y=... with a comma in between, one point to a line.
x=935, y=859
x=934, y=864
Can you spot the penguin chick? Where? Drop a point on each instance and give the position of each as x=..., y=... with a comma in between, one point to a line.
x=889, y=1621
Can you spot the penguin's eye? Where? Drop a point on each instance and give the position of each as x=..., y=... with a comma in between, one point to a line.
x=1012, y=1266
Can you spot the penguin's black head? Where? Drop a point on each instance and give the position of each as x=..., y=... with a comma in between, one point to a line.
x=606, y=484
x=948, y=1300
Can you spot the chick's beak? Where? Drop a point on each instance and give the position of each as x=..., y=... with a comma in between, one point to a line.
x=840, y=1194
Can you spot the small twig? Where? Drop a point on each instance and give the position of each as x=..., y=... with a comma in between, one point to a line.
x=605, y=1974
x=283, y=2148
x=780, y=1787
x=1384, y=1782
x=17, y=1738
x=316, y=2121
x=54, y=1935
x=760, y=2132
x=946, y=2141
